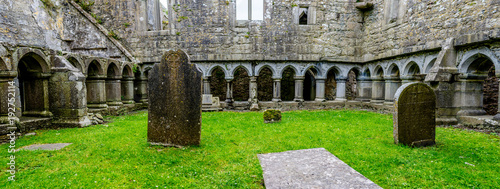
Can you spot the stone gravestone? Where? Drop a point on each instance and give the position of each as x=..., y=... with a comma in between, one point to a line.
x=415, y=115
x=174, y=101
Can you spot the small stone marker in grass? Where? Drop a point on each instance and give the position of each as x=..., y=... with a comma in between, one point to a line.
x=174, y=101
x=310, y=168
x=272, y=116
x=415, y=115
x=55, y=146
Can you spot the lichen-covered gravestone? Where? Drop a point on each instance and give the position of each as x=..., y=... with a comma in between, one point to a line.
x=174, y=101
x=415, y=115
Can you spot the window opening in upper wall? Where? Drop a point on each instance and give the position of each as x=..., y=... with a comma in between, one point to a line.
x=164, y=14
x=249, y=10
x=303, y=15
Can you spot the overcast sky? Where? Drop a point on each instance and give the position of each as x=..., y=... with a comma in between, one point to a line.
x=242, y=10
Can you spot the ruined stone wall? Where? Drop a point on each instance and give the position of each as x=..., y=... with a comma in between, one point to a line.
x=395, y=27
x=340, y=32
x=208, y=30
x=53, y=25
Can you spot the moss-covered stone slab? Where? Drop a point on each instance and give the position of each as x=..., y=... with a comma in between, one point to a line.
x=272, y=116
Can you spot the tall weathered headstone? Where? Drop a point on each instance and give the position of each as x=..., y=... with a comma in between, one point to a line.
x=415, y=115
x=174, y=101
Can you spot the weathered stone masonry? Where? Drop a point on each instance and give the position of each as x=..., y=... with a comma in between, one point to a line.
x=67, y=62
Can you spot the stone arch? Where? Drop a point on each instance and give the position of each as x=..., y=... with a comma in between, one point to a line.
x=265, y=83
x=241, y=84
x=317, y=70
x=411, y=68
x=36, y=54
x=310, y=76
x=288, y=83
x=260, y=68
x=481, y=66
x=222, y=68
x=393, y=70
x=291, y=66
x=76, y=62
x=33, y=85
x=352, y=83
x=378, y=71
x=331, y=83
x=127, y=70
x=112, y=69
x=247, y=70
x=97, y=67
x=470, y=56
x=429, y=65
x=218, y=82
x=366, y=73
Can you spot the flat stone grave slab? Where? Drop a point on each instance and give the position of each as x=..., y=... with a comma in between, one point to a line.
x=310, y=168
x=55, y=146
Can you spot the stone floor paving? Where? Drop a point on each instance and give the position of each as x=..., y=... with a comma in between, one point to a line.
x=310, y=168
x=55, y=146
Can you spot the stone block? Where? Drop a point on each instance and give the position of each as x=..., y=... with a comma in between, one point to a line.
x=272, y=116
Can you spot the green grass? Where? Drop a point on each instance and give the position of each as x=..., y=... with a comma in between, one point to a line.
x=116, y=155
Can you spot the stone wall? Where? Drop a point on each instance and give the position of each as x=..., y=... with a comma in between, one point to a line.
x=413, y=26
x=209, y=31
x=55, y=26
x=337, y=30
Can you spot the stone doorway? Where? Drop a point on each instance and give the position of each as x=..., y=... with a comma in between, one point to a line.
x=33, y=86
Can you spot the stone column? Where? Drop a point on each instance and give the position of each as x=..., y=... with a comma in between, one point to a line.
x=69, y=110
x=341, y=88
x=320, y=89
x=9, y=93
x=206, y=103
x=254, y=102
x=391, y=86
x=141, y=93
x=229, y=93
x=365, y=89
x=276, y=89
x=253, y=88
x=471, y=94
x=378, y=90
x=206, y=85
x=113, y=91
x=411, y=79
x=127, y=88
x=299, y=89
x=96, y=92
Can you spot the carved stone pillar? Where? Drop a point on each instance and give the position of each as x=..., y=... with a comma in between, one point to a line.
x=365, y=88
x=341, y=88
x=299, y=89
x=391, y=86
x=277, y=90
x=320, y=89
x=378, y=90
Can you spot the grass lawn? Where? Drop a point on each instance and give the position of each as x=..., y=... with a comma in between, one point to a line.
x=116, y=155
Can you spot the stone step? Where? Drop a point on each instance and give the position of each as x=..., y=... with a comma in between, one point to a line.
x=310, y=168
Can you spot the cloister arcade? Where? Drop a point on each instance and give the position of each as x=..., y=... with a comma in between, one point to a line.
x=49, y=84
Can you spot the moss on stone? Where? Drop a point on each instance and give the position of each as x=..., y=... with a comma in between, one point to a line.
x=272, y=116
